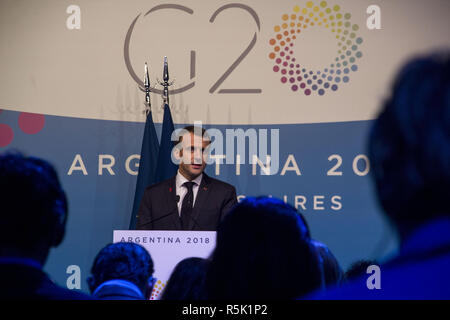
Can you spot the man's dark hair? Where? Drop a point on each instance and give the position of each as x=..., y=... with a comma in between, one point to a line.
x=193, y=130
x=263, y=251
x=123, y=260
x=409, y=144
x=187, y=280
x=33, y=204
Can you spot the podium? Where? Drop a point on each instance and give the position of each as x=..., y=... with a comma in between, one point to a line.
x=167, y=248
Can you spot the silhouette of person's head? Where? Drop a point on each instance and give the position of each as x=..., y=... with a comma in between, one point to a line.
x=332, y=273
x=33, y=207
x=263, y=251
x=187, y=280
x=123, y=261
x=409, y=144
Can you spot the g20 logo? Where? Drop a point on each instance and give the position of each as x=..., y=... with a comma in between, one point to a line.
x=216, y=86
x=292, y=72
x=298, y=76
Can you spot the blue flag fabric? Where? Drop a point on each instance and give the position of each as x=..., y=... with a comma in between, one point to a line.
x=165, y=167
x=147, y=165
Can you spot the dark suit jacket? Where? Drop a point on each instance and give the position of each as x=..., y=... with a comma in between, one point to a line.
x=22, y=282
x=159, y=211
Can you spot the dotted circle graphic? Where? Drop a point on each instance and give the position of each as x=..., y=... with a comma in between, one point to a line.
x=298, y=76
x=157, y=289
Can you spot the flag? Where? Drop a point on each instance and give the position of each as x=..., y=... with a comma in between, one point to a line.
x=165, y=167
x=147, y=165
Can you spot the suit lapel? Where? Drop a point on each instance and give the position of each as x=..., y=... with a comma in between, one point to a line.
x=171, y=199
x=202, y=195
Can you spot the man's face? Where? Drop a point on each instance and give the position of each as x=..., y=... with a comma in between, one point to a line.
x=193, y=155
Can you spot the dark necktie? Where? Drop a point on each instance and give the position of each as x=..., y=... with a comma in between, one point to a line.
x=187, y=205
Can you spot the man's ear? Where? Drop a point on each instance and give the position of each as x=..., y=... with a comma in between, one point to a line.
x=59, y=219
x=177, y=155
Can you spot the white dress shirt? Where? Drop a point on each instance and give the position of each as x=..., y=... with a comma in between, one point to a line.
x=182, y=190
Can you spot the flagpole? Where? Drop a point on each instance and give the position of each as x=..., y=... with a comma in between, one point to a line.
x=165, y=83
x=148, y=105
x=149, y=154
x=165, y=167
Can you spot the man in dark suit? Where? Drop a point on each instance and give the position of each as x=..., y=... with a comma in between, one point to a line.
x=122, y=271
x=190, y=200
x=33, y=210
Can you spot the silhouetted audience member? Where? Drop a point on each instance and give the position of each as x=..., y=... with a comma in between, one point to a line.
x=332, y=273
x=409, y=151
x=122, y=271
x=33, y=215
x=262, y=252
x=358, y=269
x=187, y=280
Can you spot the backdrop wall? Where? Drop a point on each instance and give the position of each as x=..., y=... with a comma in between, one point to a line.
x=314, y=70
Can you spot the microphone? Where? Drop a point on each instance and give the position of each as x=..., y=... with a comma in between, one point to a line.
x=177, y=199
x=141, y=227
